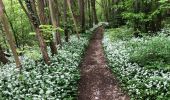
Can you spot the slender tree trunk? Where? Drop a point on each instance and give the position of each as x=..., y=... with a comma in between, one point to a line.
x=136, y=10
x=82, y=15
x=12, y=28
x=159, y=19
x=53, y=48
x=93, y=5
x=43, y=46
x=55, y=6
x=54, y=21
x=41, y=11
x=9, y=34
x=65, y=22
x=33, y=6
x=3, y=59
x=35, y=23
x=43, y=20
x=105, y=9
x=72, y=15
x=90, y=15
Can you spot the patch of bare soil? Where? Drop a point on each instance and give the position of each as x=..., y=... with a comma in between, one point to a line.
x=97, y=81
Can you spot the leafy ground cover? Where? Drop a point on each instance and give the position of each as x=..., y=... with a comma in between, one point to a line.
x=123, y=33
x=37, y=81
x=141, y=64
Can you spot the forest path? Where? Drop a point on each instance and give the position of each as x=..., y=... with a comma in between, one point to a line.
x=97, y=81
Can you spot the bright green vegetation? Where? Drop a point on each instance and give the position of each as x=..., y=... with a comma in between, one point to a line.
x=141, y=64
x=151, y=52
x=40, y=81
x=123, y=33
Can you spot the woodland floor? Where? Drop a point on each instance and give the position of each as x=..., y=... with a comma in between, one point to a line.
x=97, y=81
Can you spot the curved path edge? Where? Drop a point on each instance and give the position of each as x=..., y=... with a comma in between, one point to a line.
x=97, y=81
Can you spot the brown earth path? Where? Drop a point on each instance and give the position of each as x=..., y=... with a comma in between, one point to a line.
x=97, y=81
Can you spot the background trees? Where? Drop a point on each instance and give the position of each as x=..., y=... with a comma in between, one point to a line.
x=44, y=22
x=143, y=15
x=41, y=23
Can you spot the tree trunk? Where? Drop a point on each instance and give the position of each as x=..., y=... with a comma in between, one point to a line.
x=53, y=48
x=93, y=5
x=3, y=59
x=82, y=15
x=43, y=46
x=9, y=34
x=65, y=22
x=57, y=14
x=41, y=11
x=43, y=20
x=54, y=20
x=72, y=15
x=35, y=23
x=136, y=11
x=89, y=14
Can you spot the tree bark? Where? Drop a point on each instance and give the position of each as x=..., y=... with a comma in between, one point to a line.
x=55, y=22
x=89, y=14
x=43, y=21
x=41, y=11
x=3, y=59
x=65, y=22
x=43, y=46
x=72, y=15
x=93, y=5
x=136, y=11
x=9, y=34
x=35, y=23
x=82, y=15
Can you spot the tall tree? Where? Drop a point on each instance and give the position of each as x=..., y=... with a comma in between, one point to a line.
x=54, y=19
x=82, y=14
x=136, y=11
x=9, y=34
x=30, y=12
x=65, y=22
x=44, y=21
x=72, y=15
x=93, y=6
x=41, y=11
x=90, y=17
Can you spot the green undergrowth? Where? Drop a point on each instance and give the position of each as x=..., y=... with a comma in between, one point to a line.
x=123, y=33
x=141, y=64
x=38, y=81
x=151, y=52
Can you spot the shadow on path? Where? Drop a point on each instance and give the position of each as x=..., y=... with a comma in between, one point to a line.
x=97, y=81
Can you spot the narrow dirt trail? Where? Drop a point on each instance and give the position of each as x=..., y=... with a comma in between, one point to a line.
x=97, y=81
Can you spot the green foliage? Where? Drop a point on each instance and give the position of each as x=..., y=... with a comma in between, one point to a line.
x=33, y=53
x=50, y=28
x=19, y=22
x=151, y=52
x=133, y=16
x=123, y=33
x=139, y=12
x=142, y=65
x=48, y=32
x=163, y=1
x=38, y=81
